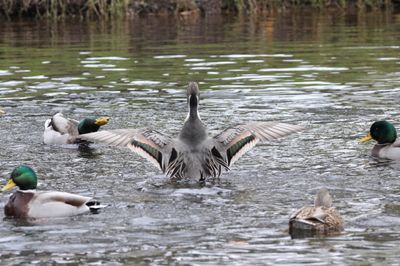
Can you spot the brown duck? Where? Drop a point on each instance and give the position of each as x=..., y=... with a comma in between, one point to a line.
x=321, y=218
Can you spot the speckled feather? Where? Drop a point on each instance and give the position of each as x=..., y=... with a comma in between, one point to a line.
x=321, y=217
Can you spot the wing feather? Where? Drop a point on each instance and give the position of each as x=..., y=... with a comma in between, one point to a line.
x=148, y=152
x=150, y=144
x=64, y=197
x=237, y=140
x=117, y=137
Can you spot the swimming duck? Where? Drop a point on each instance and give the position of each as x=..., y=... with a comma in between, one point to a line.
x=29, y=203
x=321, y=218
x=193, y=153
x=385, y=134
x=61, y=130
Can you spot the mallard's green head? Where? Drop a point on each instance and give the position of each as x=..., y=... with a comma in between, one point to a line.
x=381, y=131
x=89, y=125
x=23, y=177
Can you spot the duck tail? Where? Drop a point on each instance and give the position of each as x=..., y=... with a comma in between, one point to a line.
x=95, y=206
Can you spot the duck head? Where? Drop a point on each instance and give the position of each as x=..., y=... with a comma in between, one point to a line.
x=323, y=199
x=193, y=99
x=381, y=131
x=23, y=177
x=89, y=125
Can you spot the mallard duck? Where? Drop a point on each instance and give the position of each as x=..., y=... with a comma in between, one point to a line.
x=29, y=203
x=2, y=112
x=385, y=134
x=193, y=153
x=321, y=218
x=61, y=130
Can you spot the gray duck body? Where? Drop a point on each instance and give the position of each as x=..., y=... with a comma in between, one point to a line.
x=193, y=153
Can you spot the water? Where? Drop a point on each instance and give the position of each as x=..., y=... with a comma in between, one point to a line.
x=334, y=74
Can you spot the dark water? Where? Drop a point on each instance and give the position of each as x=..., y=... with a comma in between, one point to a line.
x=332, y=73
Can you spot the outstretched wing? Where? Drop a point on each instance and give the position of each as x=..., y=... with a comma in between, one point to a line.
x=148, y=143
x=235, y=141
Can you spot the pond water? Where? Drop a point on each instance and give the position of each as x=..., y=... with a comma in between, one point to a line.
x=332, y=73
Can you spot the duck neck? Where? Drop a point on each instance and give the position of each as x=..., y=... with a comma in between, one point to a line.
x=193, y=113
x=193, y=131
x=193, y=105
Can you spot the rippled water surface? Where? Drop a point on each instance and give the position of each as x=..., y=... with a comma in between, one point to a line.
x=334, y=74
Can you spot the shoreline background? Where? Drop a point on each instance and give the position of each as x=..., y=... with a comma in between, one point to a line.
x=98, y=9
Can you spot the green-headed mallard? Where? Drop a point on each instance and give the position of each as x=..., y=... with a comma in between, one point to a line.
x=193, y=153
x=29, y=203
x=320, y=218
x=385, y=134
x=61, y=130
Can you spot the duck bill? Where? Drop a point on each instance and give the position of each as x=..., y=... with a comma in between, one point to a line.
x=102, y=121
x=366, y=138
x=10, y=184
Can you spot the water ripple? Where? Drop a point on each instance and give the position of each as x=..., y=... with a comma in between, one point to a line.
x=333, y=78
x=110, y=58
x=303, y=69
x=169, y=56
x=255, y=55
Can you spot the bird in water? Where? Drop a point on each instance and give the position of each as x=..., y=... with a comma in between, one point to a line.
x=27, y=202
x=385, y=134
x=321, y=218
x=62, y=130
x=193, y=153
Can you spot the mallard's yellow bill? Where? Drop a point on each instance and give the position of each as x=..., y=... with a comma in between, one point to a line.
x=10, y=184
x=2, y=112
x=366, y=138
x=102, y=121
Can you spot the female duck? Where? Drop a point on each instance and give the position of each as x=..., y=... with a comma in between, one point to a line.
x=29, y=203
x=61, y=130
x=385, y=134
x=321, y=218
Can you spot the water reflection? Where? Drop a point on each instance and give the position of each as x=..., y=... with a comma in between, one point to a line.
x=333, y=73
